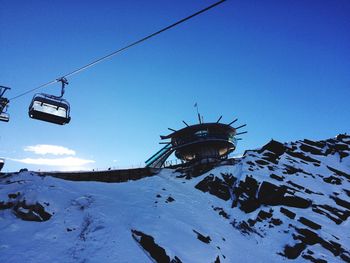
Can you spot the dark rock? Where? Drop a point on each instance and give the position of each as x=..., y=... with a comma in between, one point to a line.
x=332, y=180
x=270, y=157
x=245, y=195
x=343, y=155
x=308, y=237
x=199, y=169
x=245, y=228
x=275, y=147
x=292, y=170
x=309, y=223
x=332, y=246
x=217, y=260
x=170, y=199
x=347, y=192
x=6, y=205
x=341, y=214
x=261, y=162
x=34, y=212
x=251, y=163
x=175, y=260
x=271, y=168
x=249, y=205
x=154, y=250
x=296, y=201
x=251, y=222
x=310, y=149
x=276, y=221
x=303, y=157
x=287, y=212
x=341, y=147
x=222, y=212
x=13, y=196
x=292, y=252
x=311, y=238
x=339, y=173
x=214, y=186
x=270, y=194
x=316, y=209
x=276, y=177
x=308, y=191
x=310, y=252
x=345, y=257
x=343, y=138
x=204, y=239
x=263, y=215
x=296, y=185
x=319, y=144
x=314, y=260
x=341, y=202
x=229, y=179
x=250, y=186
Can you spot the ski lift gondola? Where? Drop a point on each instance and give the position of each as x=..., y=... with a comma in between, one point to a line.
x=4, y=116
x=50, y=108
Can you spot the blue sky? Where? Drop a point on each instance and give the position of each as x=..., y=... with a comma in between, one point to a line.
x=282, y=67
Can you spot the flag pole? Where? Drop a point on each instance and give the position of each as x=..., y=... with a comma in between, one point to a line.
x=199, y=116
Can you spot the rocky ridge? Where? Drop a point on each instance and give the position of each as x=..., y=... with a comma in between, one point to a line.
x=301, y=188
x=285, y=201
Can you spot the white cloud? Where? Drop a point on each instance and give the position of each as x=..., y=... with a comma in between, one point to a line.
x=62, y=162
x=44, y=149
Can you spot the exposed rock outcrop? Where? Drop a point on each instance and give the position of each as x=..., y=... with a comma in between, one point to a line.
x=286, y=176
x=155, y=251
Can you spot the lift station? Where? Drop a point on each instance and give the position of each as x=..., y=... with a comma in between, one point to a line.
x=199, y=143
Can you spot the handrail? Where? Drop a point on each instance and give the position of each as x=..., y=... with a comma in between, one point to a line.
x=166, y=147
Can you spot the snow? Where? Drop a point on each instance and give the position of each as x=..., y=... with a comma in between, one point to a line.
x=92, y=221
x=101, y=216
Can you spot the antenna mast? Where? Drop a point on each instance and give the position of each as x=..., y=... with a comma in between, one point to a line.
x=198, y=114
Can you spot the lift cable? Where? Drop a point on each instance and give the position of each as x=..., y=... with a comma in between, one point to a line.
x=119, y=50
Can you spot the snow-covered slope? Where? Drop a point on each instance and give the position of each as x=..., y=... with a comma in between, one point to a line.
x=283, y=202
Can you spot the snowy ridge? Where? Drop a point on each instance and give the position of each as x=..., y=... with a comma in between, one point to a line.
x=283, y=202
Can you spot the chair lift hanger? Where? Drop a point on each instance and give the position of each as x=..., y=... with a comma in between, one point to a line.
x=50, y=108
x=4, y=102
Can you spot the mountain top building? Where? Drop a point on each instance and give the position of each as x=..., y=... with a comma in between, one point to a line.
x=199, y=143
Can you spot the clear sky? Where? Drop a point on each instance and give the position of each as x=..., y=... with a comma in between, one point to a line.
x=282, y=67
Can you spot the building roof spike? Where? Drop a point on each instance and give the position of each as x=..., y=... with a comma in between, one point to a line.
x=186, y=124
x=219, y=119
x=241, y=126
x=232, y=122
x=241, y=133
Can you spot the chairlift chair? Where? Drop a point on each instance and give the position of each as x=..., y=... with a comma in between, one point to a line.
x=50, y=108
x=4, y=116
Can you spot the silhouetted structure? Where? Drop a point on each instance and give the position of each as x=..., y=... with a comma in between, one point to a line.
x=4, y=102
x=2, y=162
x=203, y=142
